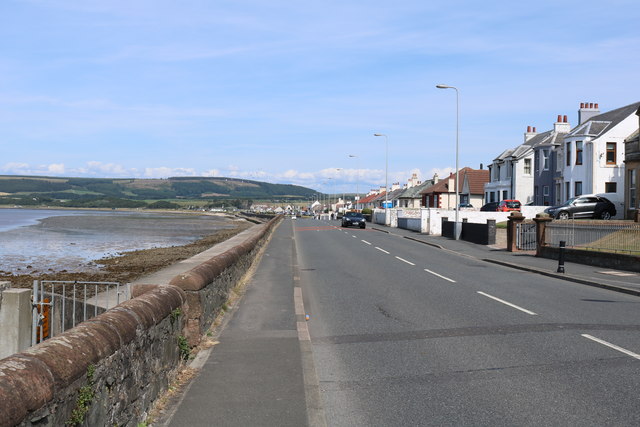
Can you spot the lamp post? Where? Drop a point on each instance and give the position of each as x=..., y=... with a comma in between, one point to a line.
x=386, y=175
x=357, y=180
x=456, y=232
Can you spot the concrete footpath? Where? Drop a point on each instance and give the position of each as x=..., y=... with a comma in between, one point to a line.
x=255, y=375
x=607, y=278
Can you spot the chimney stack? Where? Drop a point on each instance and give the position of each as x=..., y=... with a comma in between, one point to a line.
x=530, y=133
x=562, y=125
x=587, y=111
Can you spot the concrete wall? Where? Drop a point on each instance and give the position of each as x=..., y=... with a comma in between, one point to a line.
x=15, y=320
x=431, y=218
x=126, y=357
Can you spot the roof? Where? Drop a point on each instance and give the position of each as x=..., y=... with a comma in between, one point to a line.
x=368, y=198
x=476, y=178
x=414, y=192
x=597, y=125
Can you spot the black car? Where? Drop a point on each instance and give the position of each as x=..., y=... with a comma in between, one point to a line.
x=353, y=218
x=585, y=206
x=489, y=207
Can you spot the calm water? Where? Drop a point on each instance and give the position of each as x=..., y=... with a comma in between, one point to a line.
x=44, y=240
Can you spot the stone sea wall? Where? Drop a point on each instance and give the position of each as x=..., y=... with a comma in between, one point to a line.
x=110, y=369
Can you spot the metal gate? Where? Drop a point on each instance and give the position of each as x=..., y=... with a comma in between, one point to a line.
x=61, y=305
x=526, y=239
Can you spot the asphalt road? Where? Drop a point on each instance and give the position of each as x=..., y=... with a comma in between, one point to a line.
x=406, y=334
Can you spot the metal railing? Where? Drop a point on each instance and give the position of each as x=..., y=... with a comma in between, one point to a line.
x=526, y=238
x=605, y=236
x=61, y=305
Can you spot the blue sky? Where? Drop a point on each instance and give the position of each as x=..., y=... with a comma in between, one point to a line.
x=285, y=91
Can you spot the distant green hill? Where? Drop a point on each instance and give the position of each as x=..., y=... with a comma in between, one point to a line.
x=37, y=190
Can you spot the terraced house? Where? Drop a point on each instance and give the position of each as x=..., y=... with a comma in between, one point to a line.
x=632, y=168
x=593, y=153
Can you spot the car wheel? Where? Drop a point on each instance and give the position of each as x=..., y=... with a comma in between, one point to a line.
x=606, y=215
x=362, y=226
x=563, y=215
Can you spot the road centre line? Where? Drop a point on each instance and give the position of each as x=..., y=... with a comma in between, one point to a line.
x=404, y=260
x=613, y=346
x=508, y=303
x=439, y=275
x=364, y=241
x=382, y=250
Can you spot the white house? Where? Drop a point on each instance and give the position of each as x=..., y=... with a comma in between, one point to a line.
x=511, y=173
x=593, y=152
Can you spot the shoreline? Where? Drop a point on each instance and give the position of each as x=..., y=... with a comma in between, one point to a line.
x=128, y=266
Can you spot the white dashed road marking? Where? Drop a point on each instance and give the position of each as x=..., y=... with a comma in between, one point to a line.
x=613, y=346
x=439, y=275
x=508, y=303
x=382, y=250
x=404, y=260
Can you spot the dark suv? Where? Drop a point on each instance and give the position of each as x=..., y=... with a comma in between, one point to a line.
x=585, y=206
x=353, y=218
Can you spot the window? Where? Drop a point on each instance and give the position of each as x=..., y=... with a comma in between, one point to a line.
x=545, y=160
x=509, y=168
x=610, y=187
x=536, y=160
x=633, y=185
x=568, y=154
x=558, y=188
x=578, y=189
x=567, y=190
x=505, y=195
x=558, y=160
x=545, y=195
x=535, y=195
x=527, y=166
x=579, y=153
x=611, y=153
x=492, y=196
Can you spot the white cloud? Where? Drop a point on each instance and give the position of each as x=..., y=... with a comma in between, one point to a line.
x=15, y=167
x=165, y=172
x=56, y=168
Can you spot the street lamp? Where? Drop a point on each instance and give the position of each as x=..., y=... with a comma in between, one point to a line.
x=386, y=175
x=357, y=180
x=456, y=232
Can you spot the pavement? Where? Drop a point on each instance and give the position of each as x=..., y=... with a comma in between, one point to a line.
x=616, y=280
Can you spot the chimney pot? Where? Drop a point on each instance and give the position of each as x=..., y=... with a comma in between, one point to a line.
x=528, y=129
x=591, y=105
x=564, y=119
x=596, y=105
x=534, y=129
x=559, y=118
x=582, y=105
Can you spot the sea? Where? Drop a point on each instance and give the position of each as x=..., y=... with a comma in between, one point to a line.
x=42, y=240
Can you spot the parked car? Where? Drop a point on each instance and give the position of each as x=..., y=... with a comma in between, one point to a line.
x=509, y=206
x=585, y=206
x=466, y=206
x=353, y=218
x=489, y=207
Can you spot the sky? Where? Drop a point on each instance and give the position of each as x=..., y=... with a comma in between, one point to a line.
x=293, y=92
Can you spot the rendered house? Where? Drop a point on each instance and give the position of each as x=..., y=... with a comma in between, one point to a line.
x=473, y=182
x=442, y=194
x=512, y=173
x=632, y=168
x=593, y=153
x=547, y=170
